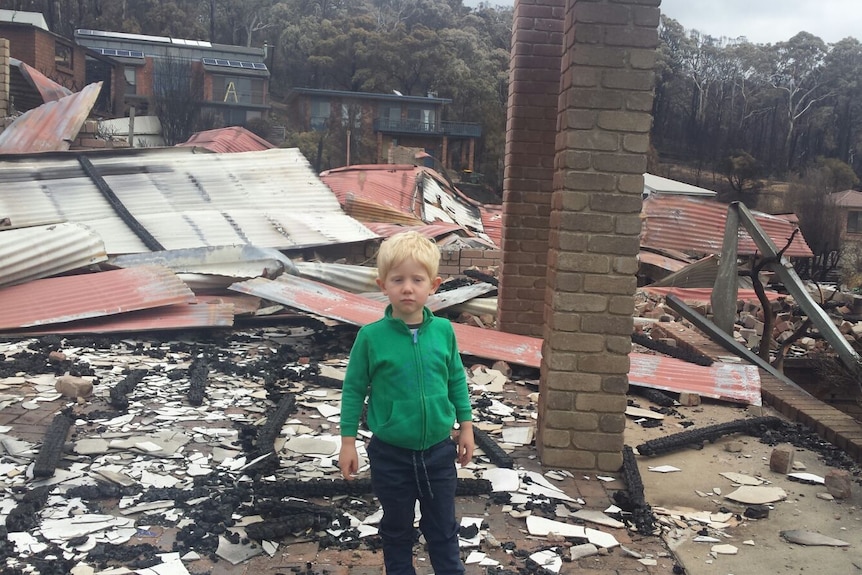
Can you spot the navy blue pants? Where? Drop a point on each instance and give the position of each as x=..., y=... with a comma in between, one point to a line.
x=398, y=478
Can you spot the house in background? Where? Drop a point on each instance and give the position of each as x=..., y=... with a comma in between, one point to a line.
x=234, y=79
x=392, y=121
x=849, y=204
x=58, y=59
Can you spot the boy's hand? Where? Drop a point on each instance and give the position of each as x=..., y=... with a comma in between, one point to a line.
x=466, y=443
x=348, y=459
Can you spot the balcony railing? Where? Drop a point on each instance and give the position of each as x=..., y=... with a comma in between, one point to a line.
x=429, y=128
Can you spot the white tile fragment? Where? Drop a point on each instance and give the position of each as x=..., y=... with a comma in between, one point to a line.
x=549, y=560
x=593, y=516
x=664, y=468
x=741, y=478
x=542, y=527
x=757, y=495
x=807, y=478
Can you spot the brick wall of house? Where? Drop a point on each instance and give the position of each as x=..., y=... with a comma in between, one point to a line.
x=89, y=138
x=4, y=78
x=531, y=129
x=577, y=136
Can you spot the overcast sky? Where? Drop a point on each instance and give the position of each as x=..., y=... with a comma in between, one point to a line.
x=761, y=21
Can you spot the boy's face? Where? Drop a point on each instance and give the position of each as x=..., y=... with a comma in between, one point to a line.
x=408, y=287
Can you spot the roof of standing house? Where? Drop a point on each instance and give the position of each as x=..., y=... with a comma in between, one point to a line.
x=133, y=48
x=848, y=199
x=24, y=17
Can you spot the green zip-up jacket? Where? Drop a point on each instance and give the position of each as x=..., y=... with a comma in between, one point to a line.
x=415, y=383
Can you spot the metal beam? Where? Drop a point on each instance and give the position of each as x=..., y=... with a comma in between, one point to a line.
x=794, y=285
x=724, y=340
x=725, y=290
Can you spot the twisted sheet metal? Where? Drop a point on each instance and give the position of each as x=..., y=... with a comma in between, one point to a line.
x=42, y=251
x=50, y=127
x=696, y=227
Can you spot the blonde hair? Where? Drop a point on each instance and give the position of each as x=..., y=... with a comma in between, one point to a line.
x=408, y=246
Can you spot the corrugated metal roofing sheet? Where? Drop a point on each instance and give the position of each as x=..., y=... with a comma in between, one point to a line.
x=51, y=126
x=269, y=199
x=346, y=307
x=43, y=251
x=414, y=191
x=71, y=298
x=388, y=185
x=47, y=88
x=228, y=261
x=703, y=295
x=177, y=316
x=724, y=381
x=228, y=140
x=661, y=261
x=696, y=226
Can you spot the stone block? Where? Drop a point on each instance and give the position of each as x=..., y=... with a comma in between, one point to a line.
x=838, y=483
x=71, y=386
x=781, y=459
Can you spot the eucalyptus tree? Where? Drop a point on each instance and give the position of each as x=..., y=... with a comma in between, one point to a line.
x=797, y=74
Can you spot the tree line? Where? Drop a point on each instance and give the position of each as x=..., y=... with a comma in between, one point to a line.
x=747, y=110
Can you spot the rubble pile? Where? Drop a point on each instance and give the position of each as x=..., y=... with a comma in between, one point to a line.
x=150, y=478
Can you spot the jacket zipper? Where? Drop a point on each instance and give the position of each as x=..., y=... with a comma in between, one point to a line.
x=417, y=356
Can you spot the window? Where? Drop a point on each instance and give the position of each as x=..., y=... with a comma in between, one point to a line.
x=421, y=119
x=238, y=90
x=390, y=116
x=854, y=222
x=351, y=116
x=320, y=110
x=131, y=74
x=63, y=55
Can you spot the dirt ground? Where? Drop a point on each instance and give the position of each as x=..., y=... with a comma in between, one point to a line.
x=761, y=549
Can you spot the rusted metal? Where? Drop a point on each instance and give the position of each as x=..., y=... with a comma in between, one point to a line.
x=696, y=227
x=42, y=251
x=227, y=140
x=731, y=382
x=660, y=261
x=47, y=88
x=438, y=231
x=726, y=341
x=703, y=295
x=70, y=298
x=738, y=383
x=320, y=299
x=392, y=192
x=794, y=285
x=178, y=316
x=50, y=127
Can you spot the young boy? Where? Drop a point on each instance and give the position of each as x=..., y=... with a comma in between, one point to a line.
x=408, y=366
